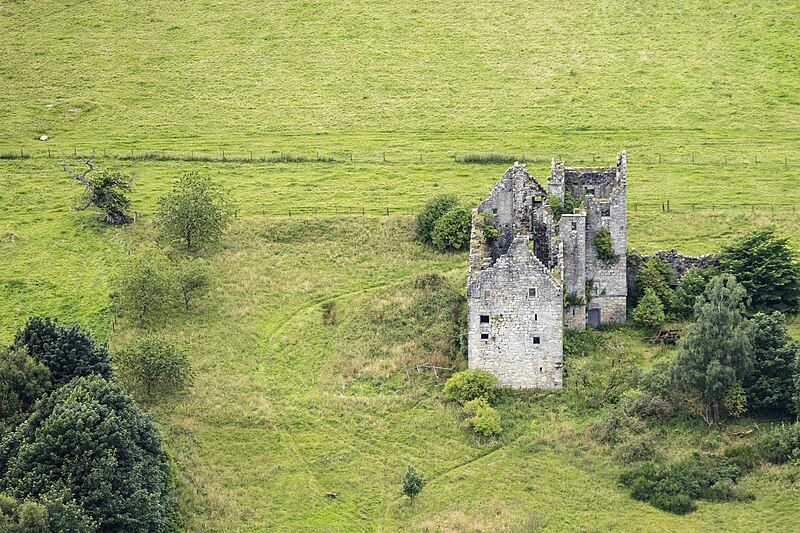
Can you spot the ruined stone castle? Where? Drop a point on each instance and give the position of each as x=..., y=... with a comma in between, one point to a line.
x=535, y=269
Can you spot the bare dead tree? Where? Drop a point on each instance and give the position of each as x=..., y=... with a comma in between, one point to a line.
x=106, y=192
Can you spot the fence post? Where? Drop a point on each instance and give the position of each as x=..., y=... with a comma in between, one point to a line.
x=659, y=158
x=756, y=159
x=384, y=157
x=692, y=158
x=74, y=152
x=667, y=206
x=387, y=212
x=223, y=155
x=362, y=211
x=290, y=213
x=351, y=157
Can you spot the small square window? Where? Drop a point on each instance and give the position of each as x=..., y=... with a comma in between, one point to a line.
x=494, y=211
x=535, y=317
x=484, y=336
x=484, y=319
x=537, y=340
x=532, y=292
x=487, y=294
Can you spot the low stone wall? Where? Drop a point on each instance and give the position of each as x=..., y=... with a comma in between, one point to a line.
x=678, y=262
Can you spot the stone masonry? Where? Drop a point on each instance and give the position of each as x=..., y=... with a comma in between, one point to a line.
x=540, y=274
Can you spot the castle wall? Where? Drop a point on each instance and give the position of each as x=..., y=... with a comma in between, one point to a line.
x=520, y=338
x=609, y=282
x=572, y=231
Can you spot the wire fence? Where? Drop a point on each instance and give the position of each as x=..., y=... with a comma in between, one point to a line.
x=474, y=158
x=665, y=208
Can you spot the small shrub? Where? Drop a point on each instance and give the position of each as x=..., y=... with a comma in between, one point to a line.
x=673, y=503
x=192, y=280
x=657, y=380
x=329, y=313
x=568, y=206
x=638, y=447
x=649, y=313
x=486, y=420
x=412, y=483
x=144, y=287
x=778, y=446
x=646, y=405
x=605, y=247
x=491, y=232
x=429, y=281
x=471, y=407
x=613, y=426
x=433, y=211
x=470, y=384
x=690, y=288
x=451, y=231
x=744, y=456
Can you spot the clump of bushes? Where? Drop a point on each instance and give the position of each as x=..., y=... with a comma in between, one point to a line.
x=673, y=487
x=471, y=384
x=475, y=390
x=483, y=418
x=444, y=224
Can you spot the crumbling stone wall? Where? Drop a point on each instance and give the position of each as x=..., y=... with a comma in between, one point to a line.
x=678, y=262
x=515, y=327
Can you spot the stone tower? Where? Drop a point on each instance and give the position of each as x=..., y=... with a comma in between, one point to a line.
x=539, y=274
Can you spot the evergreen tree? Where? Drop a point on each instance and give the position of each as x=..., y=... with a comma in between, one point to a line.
x=412, y=483
x=68, y=351
x=656, y=275
x=691, y=287
x=88, y=439
x=768, y=269
x=23, y=380
x=649, y=313
x=770, y=388
x=717, y=354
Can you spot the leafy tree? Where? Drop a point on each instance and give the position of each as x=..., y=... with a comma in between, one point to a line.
x=656, y=275
x=192, y=280
x=23, y=380
x=88, y=438
x=770, y=388
x=768, y=269
x=433, y=211
x=105, y=191
x=605, y=247
x=717, y=354
x=470, y=384
x=451, y=231
x=154, y=369
x=412, y=483
x=195, y=215
x=144, y=287
x=67, y=350
x=649, y=312
x=691, y=287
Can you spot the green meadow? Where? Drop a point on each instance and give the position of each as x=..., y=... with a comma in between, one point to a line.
x=706, y=99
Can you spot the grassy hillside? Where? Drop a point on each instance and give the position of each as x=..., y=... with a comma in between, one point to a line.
x=285, y=408
x=403, y=77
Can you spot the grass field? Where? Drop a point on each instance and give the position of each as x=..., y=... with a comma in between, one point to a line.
x=280, y=413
